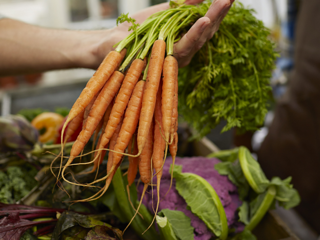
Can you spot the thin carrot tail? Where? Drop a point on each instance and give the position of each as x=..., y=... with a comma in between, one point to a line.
x=128, y=192
x=173, y=161
x=89, y=184
x=95, y=166
x=142, y=196
x=158, y=201
x=173, y=151
x=62, y=146
x=92, y=198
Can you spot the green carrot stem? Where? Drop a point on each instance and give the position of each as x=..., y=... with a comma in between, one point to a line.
x=143, y=27
x=146, y=69
x=148, y=46
x=154, y=30
x=133, y=52
x=167, y=26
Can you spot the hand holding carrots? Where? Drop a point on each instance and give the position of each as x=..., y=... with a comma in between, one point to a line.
x=191, y=42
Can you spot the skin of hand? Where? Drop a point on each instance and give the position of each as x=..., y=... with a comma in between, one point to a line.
x=28, y=49
x=190, y=43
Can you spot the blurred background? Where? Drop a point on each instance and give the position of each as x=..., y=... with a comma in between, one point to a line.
x=57, y=89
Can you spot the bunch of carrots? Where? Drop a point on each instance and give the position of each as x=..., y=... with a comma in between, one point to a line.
x=133, y=100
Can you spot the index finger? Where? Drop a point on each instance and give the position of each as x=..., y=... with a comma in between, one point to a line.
x=217, y=11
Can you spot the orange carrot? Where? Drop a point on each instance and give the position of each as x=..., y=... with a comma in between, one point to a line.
x=109, y=166
x=130, y=122
x=104, y=121
x=150, y=93
x=106, y=69
x=170, y=76
x=174, y=121
x=133, y=161
x=159, y=142
x=145, y=158
x=111, y=62
x=145, y=168
x=73, y=126
x=122, y=100
x=96, y=113
x=88, y=108
x=110, y=163
x=173, y=148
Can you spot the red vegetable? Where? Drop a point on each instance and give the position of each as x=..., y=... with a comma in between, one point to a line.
x=73, y=136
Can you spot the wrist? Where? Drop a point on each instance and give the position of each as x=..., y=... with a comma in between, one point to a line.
x=92, y=47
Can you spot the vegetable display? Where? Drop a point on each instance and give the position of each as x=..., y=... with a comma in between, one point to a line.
x=207, y=194
x=133, y=100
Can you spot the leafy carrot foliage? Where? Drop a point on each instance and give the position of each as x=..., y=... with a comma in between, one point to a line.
x=229, y=78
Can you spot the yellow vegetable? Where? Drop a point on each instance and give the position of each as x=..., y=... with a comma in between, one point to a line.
x=51, y=122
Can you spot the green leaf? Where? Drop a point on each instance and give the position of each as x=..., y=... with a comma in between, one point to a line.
x=245, y=235
x=75, y=233
x=109, y=199
x=260, y=206
x=202, y=200
x=103, y=233
x=125, y=18
x=244, y=212
x=28, y=236
x=178, y=222
x=229, y=78
x=68, y=220
x=225, y=155
x=287, y=196
x=252, y=171
x=138, y=224
x=166, y=229
x=235, y=175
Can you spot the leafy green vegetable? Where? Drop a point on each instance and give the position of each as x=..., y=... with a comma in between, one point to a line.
x=287, y=196
x=30, y=114
x=245, y=235
x=226, y=155
x=175, y=223
x=235, y=175
x=244, y=212
x=260, y=207
x=62, y=111
x=68, y=220
x=138, y=224
x=202, y=200
x=166, y=229
x=252, y=171
x=16, y=182
x=247, y=172
x=28, y=236
x=229, y=78
x=109, y=199
x=102, y=233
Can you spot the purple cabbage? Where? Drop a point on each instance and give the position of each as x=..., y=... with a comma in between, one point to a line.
x=203, y=167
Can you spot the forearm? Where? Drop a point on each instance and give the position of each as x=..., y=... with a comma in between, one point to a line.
x=26, y=48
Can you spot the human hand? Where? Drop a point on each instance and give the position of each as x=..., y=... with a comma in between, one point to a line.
x=190, y=43
x=203, y=30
